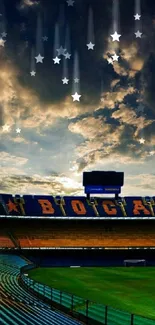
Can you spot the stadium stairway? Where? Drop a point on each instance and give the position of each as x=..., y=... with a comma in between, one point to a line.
x=17, y=306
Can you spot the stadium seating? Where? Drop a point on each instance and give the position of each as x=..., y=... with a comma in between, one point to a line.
x=18, y=306
x=87, y=235
x=5, y=241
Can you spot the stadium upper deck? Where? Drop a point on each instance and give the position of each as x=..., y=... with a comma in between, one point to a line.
x=69, y=207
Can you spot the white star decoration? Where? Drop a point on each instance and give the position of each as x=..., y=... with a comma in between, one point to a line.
x=18, y=130
x=2, y=41
x=67, y=55
x=70, y=2
x=110, y=61
x=115, y=57
x=115, y=37
x=65, y=81
x=138, y=34
x=76, y=96
x=76, y=80
x=61, y=51
x=39, y=58
x=56, y=60
x=5, y=127
x=33, y=73
x=142, y=140
x=90, y=46
x=137, y=17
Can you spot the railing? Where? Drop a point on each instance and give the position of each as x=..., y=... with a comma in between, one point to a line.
x=85, y=310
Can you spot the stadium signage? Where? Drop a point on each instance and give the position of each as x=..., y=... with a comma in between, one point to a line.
x=76, y=207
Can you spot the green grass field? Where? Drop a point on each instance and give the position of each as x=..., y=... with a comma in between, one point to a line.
x=129, y=289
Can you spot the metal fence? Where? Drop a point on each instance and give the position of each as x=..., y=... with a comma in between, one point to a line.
x=85, y=310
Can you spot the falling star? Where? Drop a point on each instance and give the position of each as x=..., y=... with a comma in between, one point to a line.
x=142, y=140
x=33, y=73
x=76, y=78
x=137, y=17
x=67, y=55
x=32, y=63
x=90, y=46
x=76, y=97
x=65, y=81
x=18, y=130
x=39, y=40
x=115, y=21
x=138, y=34
x=138, y=23
x=56, y=60
x=90, y=36
x=115, y=37
x=110, y=61
x=39, y=58
x=61, y=51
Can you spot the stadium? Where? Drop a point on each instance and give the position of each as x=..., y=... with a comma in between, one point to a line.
x=78, y=260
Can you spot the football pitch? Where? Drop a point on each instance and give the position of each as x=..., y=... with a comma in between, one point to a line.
x=128, y=289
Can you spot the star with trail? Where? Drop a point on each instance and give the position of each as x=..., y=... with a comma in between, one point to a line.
x=65, y=81
x=90, y=46
x=56, y=60
x=2, y=41
x=70, y=2
x=137, y=17
x=138, y=34
x=39, y=58
x=76, y=97
x=115, y=36
x=76, y=80
x=67, y=55
x=33, y=73
x=61, y=51
x=115, y=57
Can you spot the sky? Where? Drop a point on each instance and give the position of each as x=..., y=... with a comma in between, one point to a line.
x=73, y=98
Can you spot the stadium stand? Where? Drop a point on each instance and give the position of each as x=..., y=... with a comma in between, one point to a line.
x=70, y=233
x=20, y=307
x=5, y=240
x=67, y=232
